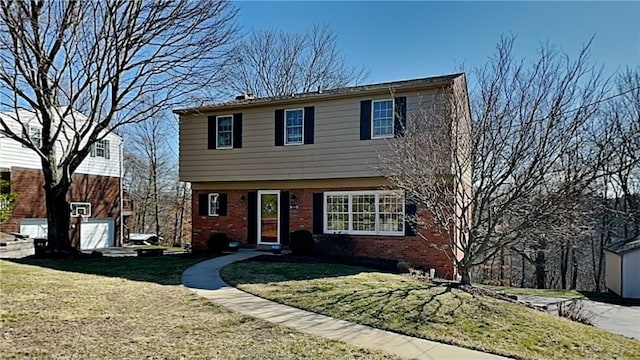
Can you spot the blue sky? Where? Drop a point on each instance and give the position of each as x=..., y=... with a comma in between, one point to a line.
x=401, y=40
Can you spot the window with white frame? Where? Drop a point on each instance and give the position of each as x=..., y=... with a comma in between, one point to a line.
x=293, y=128
x=214, y=204
x=80, y=209
x=35, y=134
x=364, y=212
x=382, y=119
x=337, y=213
x=100, y=149
x=224, y=132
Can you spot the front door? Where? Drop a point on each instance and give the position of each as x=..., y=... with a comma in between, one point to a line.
x=268, y=217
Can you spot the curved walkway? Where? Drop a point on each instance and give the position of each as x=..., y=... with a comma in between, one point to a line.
x=204, y=279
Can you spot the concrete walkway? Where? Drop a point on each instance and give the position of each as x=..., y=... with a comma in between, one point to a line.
x=204, y=279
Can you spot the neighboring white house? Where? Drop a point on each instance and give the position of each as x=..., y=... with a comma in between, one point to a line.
x=96, y=195
x=623, y=268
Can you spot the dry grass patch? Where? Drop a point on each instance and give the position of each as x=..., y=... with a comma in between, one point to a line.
x=409, y=306
x=54, y=314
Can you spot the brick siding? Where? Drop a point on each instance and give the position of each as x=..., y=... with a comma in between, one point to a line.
x=413, y=249
x=103, y=192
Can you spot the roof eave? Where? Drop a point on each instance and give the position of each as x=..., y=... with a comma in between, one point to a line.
x=300, y=98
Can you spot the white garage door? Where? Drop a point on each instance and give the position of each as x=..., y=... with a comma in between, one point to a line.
x=96, y=234
x=35, y=228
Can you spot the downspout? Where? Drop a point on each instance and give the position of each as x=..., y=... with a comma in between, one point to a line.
x=121, y=194
x=621, y=275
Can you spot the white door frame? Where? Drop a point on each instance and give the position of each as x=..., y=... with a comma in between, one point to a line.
x=267, y=192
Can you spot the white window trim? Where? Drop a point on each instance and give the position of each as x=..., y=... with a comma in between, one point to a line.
x=286, y=143
x=217, y=132
x=393, y=118
x=259, y=224
x=377, y=231
x=216, y=198
x=74, y=212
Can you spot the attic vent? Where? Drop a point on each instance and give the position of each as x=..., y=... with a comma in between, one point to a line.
x=245, y=96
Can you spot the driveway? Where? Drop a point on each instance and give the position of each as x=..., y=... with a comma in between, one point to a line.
x=619, y=319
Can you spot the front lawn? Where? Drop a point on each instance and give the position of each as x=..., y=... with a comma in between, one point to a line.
x=132, y=308
x=403, y=304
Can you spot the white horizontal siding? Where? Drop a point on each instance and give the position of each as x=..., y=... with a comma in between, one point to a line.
x=12, y=154
x=337, y=151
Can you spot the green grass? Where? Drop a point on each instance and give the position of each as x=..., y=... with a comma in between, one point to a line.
x=565, y=294
x=126, y=308
x=409, y=306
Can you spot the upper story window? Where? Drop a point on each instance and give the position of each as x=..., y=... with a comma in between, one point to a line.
x=224, y=132
x=294, y=127
x=35, y=134
x=100, y=149
x=382, y=119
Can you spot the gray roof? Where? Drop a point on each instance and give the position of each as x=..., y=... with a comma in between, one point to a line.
x=624, y=246
x=345, y=91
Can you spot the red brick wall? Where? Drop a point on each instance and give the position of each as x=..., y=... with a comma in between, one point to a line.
x=102, y=192
x=412, y=249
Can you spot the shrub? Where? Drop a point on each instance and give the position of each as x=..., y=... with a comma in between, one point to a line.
x=301, y=242
x=217, y=243
x=574, y=310
x=336, y=245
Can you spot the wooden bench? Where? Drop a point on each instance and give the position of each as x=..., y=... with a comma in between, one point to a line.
x=150, y=251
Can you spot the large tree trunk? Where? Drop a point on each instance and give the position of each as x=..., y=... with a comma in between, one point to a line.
x=541, y=274
x=58, y=216
x=465, y=273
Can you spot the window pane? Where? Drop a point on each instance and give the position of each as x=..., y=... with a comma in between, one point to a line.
x=100, y=149
x=213, y=204
x=391, y=210
x=293, y=126
x=364, y=212
x=337, y=212
x=225, y=131
x=383, y=118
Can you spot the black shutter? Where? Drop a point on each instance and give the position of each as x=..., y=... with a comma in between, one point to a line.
x=222, y=204
x=212, y=132
x=237, y=131
x=410, y=209
x=280, y=127
x=309, y=123
x=284, y=218
x=365, y=120
x=203, y=204
x=400, y=116
x=106, y=149
x=318, y=213
x=252, y=217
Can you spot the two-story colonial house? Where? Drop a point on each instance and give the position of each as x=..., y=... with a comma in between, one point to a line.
x=95, y=195
x=262, y=168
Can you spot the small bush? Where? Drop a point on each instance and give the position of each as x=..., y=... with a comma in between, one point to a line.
x=336, y=245
x=574, y=311
x=301, y=242
x=217, y=243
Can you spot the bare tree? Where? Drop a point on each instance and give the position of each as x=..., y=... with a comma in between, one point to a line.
x=116, y=62
x=270, y=63
x=152, y=182
x=517, y=166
